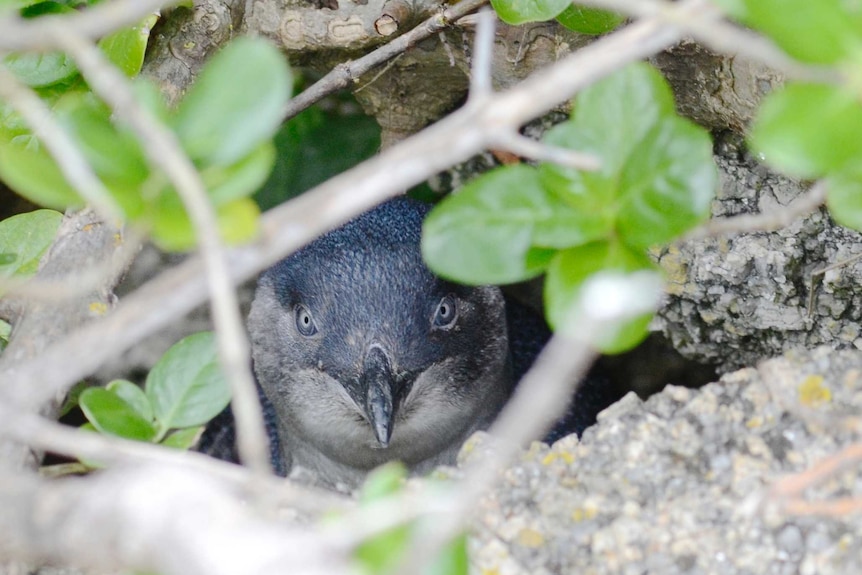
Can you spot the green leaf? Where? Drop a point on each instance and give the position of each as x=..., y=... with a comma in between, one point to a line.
x=115, y=156
x=500, y=227
x=808, y=130
x=610, y=119
x=38, y=70
x=186, y=386
x=238, y=221
x=228, y=183
x=453, y=559
x=71, y=401
x=668, y=184
x=657, y=176
x=569, y=305
x=31, y=172
x=27, y=236
x=5, y=331
x=183, y=439
x=520, y=11
x=236, y=103
x=844, y=198
x=821, y=32
x=383, y=481
x=589, y=20
x=172, y=229
x=36, y=9
x=381, y=553
x=133, y=395
x=126, y=48
x=13, y=125
x=91, y=463
x=111, y=414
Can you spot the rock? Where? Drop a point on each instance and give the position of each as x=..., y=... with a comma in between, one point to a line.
x=680, y=483
x=736, y=300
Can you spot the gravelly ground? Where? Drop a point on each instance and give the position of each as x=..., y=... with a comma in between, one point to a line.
x=679, y=483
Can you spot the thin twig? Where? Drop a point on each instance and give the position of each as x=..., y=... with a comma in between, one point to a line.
x=63, y=149
x=163, y=150
x=379, y=74
x=710, y=29
x=788, y=491
x=818, y=274
x=838, y=507
x=507, y=137
x=795, y=484
x=94, y=22
x=45, y=435
x=447, y=47
x=346, y=73
x=837, y=265
x=521, y=145
x=483, y=56
x=36, y=289
x=775, y=219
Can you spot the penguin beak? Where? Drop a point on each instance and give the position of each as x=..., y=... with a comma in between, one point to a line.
x=378, y=382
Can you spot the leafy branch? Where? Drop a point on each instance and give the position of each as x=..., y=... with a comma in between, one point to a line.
x=184, y=390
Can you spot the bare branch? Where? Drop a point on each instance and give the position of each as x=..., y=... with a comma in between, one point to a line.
x=153, y=519
x=164, y=151
x=709, y=28
x=774, y=219
x=45, y=435
x=788, y=493
x=507, y=137
x=818, y=274
x=39, y=289
x=529, y=148
x=483, y=55
x=344, y=74
x=394, y=13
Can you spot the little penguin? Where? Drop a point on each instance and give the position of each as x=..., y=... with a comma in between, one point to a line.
x=364, y=356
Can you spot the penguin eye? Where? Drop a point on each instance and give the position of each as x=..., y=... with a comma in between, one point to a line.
x=304, y=322
x=446, y=313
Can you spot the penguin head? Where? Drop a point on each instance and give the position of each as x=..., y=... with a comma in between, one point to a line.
x=366, y=355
